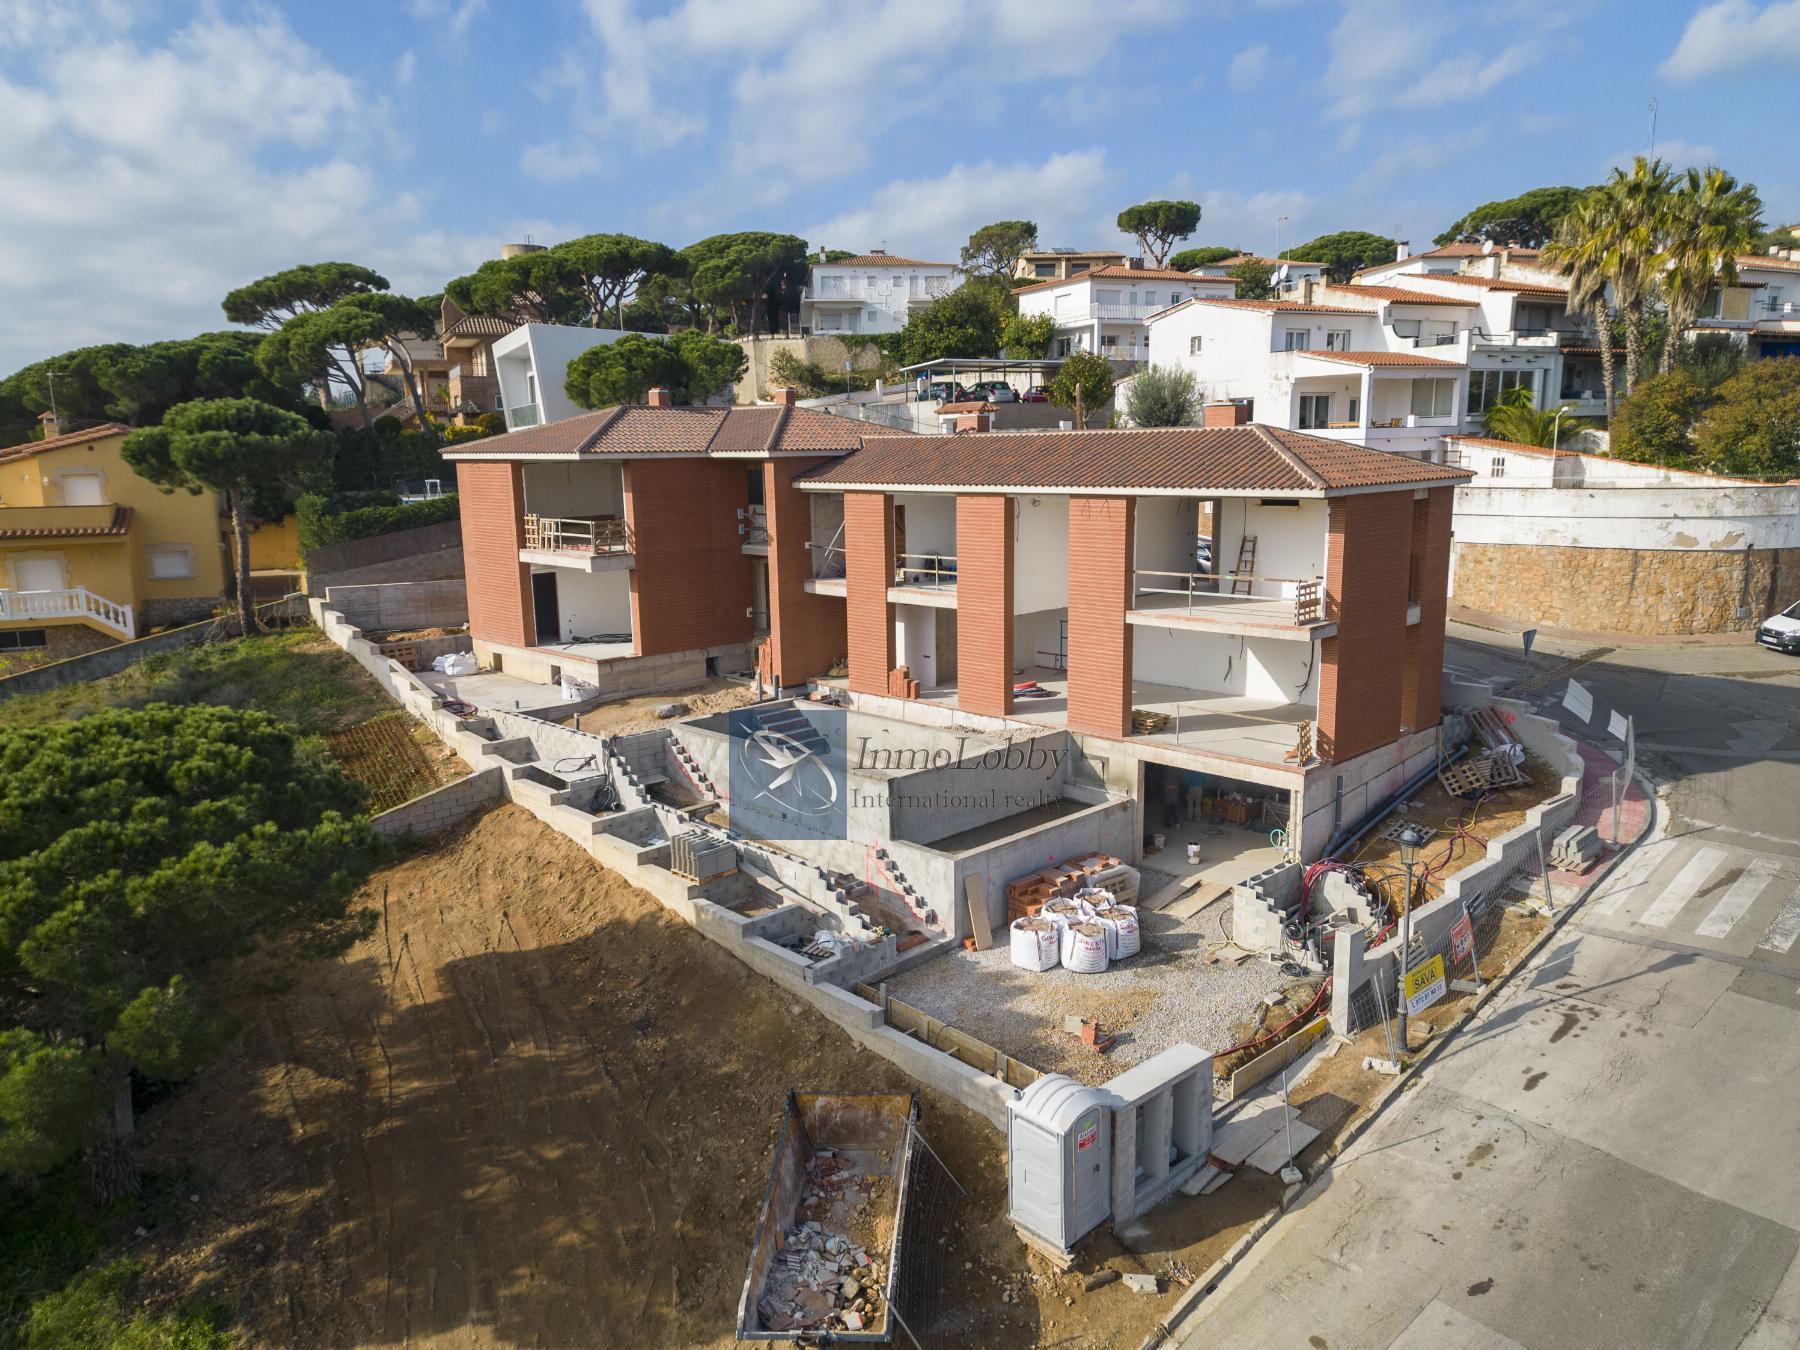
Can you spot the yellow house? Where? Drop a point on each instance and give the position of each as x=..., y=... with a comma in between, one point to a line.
x=92, y=554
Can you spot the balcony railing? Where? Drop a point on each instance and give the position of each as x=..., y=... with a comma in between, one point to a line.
x=1139, y=311
x=753, y=525
x=1298, y=601
x=925, y=571
x=1435, y=340
x=525, y=415
x=578, y=534
x=73, y=602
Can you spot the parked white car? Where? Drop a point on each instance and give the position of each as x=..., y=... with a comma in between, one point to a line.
x=1781, y=631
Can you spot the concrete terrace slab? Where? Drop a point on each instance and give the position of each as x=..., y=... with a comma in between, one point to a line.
x=507, y=693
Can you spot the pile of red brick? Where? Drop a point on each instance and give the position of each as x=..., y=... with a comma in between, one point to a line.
x=1028, y=894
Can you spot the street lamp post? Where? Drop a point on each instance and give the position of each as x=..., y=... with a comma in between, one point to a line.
x=1409, y=839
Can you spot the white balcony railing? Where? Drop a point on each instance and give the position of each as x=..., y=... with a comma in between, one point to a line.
x=73, y=602
x=1295, y=600
x=1140, y=311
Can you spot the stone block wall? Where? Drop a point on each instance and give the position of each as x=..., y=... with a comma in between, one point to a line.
x=440, y=809
x=1626, y=590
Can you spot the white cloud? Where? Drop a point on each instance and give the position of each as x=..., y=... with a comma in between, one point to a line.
x=1402, y=53
x=405, y=68
x=1248, y=68
x=239, y=151
x=1419, y=155
x=1736, y=35
x=555, y=162
x=815, y=87
x=933, y=217
x=450, y=17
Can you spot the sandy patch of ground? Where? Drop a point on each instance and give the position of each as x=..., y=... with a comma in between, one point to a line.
x=535, y=1108
x=639, y=714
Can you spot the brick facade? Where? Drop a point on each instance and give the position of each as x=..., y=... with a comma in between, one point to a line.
x=1422, y=674
x=491, y=498
x=1366, y=578
x=1100, y=561
x=691, y=585
x=869, y=570
x=806, y=632
x=984, y=605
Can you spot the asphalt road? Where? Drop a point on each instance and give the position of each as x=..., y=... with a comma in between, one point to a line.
x=1609, y=1156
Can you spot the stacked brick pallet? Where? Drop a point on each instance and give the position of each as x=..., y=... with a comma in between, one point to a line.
x=1026, y=895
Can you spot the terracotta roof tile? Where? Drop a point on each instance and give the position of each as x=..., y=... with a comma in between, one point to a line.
x=121, y=524
x=1499, y=283
x=1754, y=260
x=1495, y=443
x=1184, y=459
x=1239, y=258
x=1125, y=274
x=98, y=433
x=1399, y=296
x=977, y=406
x=1275, y=306
x=638, y=430
x=882, y=260
x=480, y=325
x=1382, y=359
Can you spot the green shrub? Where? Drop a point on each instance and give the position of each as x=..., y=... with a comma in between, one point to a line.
x=324, y=520
x=94, y=1313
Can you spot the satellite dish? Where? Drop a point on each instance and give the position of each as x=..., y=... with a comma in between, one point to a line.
x=1487, y=247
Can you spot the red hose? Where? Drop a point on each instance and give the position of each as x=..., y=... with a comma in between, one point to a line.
x=1281, y=1030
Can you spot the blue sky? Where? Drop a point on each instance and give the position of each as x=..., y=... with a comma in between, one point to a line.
x=159, y=154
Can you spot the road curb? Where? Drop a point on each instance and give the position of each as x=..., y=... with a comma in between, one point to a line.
x=1197, y=1292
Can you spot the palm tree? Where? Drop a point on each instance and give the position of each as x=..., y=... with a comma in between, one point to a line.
x=1516, y=418
x=1709, y=220
x=1579, y=250
x=1637, y=204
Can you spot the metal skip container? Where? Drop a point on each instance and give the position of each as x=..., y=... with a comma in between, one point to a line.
x=1059, y=1160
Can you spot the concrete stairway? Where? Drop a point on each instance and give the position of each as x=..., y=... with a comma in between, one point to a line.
x=790, y=722
x=689, y=768
x=908, y=893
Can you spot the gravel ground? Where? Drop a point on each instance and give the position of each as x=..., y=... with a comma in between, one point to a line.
x=1164, y=995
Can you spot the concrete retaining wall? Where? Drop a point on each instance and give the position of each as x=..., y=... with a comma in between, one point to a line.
x=441, y=808
x=642, y=860
x=396, y=606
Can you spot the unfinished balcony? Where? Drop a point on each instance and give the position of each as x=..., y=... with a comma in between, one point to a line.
x=1290, y=608
x=581, y=543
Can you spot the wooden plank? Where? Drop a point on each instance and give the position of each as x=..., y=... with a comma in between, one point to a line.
x=979, y=923
x=1277, y=1057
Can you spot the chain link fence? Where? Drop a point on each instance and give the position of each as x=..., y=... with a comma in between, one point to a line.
x=932, y=1205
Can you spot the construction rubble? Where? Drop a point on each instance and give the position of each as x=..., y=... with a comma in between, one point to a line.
x=823, y=1279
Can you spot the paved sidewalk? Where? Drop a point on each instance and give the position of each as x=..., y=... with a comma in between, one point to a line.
x=1596, y=809
x=1500, y=623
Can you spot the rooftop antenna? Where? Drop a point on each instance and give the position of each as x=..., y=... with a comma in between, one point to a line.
x=1652, y=128
x=53, y=413
x=1279, y=222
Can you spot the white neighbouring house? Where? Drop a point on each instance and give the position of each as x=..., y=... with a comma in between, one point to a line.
x=1104, y=309
x=1761, y=313
x=1388, y=372
x=531, y=363
x=873, y=293
x=1287, y=275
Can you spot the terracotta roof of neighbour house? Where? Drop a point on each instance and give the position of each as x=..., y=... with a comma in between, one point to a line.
x=1382, y=358
x=1074, y=253
x=1272, y=306
x=1237, y=258
x=1124, y=274
x=1495, y=443
x=1768, y=260
x=1500, y=283
x=976, y=406
x=882, y=260
x=1170, y=459
x=1458, y=248
x=120, y=524
x=480, y=325
x=1399, y=296
x=642, y=431
x=29, y=448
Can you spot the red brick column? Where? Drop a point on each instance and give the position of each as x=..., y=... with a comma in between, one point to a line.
x=806, y=631
x=491, y=498
x=1361, y=669
x=1100, y=560
x=1421, y=698
x=869, y=570
x=690, y=587
x=984, y=605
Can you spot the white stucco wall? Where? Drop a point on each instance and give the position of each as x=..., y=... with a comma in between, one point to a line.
x=1653, y=516
x=590, y=603
x=1040, y=554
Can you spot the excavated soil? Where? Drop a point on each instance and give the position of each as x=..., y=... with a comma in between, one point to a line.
x=639, y=714
x=535, y=1108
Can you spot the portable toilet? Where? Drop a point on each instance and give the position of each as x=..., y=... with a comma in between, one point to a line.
x=1059, y=1160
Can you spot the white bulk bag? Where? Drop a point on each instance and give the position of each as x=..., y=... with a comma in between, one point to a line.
x=1034, y=944
x=1084, y=948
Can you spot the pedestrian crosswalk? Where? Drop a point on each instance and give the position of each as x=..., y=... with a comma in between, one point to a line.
x=1711, y=893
